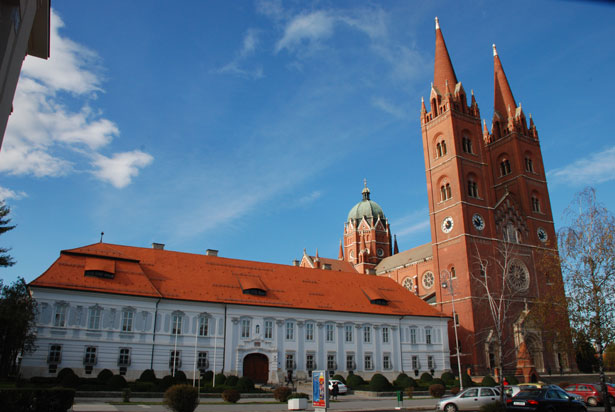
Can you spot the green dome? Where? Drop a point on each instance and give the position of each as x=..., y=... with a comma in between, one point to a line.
x=366, y=208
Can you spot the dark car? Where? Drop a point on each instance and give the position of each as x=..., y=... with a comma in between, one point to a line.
x=590, y=393
x=544, y=399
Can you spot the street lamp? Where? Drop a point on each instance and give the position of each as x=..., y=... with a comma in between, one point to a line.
x=448, y=283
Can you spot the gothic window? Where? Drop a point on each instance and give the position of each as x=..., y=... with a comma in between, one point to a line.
x=466, y=144
x=445, y=192
x=441, y=148
x=511, y=234
x=535, y=204
x=472, y=188
x=453, y=273
x=529, y=166
x=505, y=167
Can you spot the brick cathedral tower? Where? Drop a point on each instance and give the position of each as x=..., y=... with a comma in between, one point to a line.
x=489, y=203
x=367, y=237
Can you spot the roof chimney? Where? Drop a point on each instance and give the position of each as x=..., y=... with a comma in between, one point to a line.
x=296, y=263
x=158, y=246
x=211, y=252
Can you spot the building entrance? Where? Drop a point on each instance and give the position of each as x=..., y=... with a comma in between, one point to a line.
x=256, y=367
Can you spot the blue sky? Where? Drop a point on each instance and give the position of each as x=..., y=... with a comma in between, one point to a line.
x=249, y=126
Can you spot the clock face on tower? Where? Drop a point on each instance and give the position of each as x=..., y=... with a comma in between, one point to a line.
x=542, y=235
x=447, y=224
x=380, y=252
x=478, y=221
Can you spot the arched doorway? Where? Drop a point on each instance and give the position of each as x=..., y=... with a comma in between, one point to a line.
x=534, y=347
x=256, y=367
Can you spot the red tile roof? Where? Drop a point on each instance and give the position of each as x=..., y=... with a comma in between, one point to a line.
x=193, y=277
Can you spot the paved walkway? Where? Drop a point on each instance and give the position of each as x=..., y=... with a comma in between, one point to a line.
x=344, y=403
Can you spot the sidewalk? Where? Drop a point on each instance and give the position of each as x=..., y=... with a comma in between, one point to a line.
x=344, y=403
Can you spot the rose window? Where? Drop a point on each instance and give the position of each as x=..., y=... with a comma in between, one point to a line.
x=428, y=280
x=518, y=276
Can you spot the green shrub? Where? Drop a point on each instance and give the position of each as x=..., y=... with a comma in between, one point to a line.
x=379, y=383
x=281, y=393
x=436, y=390
x=180, y=377
x=448, y=378
x=438, y=381
x=148, y=375
x=493, y=407
x=39, y=380
x=220, y=379
x=27, y=399
x=298, y=395
x=181, y=398
x=404, y=381
x=467, y=381
x=339, y=378
x=455, y=390
x=208, y=376
x=143, y=386
x=126, y=395
x=166, y=382
x=426, y=377
x=68, y=379
x=488, y=381
x=354, y=381
x=245, y=384
x=512, y=380
x=63, y=373
x=116, y=382
x=104, y=376
x=231, y=380
x=231, y=395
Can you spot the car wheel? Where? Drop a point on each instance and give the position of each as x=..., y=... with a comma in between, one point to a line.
x=450, y=408
x=592, y=401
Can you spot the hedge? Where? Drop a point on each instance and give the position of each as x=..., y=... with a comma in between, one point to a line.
x=37, y=400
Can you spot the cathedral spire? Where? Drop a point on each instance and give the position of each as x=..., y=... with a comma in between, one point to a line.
x=365, y=191
x=395, y=248
x=503, y=100
x=443, y=68
x=340, y=255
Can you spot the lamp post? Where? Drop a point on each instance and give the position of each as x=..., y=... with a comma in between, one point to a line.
x=448, y=283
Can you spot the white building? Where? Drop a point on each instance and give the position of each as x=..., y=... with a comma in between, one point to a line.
x=128, y=309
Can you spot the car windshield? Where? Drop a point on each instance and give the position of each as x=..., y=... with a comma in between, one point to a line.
x=530, y=394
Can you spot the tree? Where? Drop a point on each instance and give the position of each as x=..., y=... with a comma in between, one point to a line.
x=585, y=354
x=17, y=316
x=587, y=260
x=5, y=258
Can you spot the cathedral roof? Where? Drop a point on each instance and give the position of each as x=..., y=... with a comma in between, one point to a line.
x=405, y=258
x=159, y=273
x=366, y=208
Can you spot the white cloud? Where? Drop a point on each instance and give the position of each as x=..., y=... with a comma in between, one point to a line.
x=121, y=167
x=595, y=168
x=237, y=65
x=412, y=223
x=53, y=130
x=311, y=27
x=6, y=194
x=388, y=107
x=415, y=228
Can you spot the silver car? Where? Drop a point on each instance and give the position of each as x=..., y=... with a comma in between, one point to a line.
x=470, y=399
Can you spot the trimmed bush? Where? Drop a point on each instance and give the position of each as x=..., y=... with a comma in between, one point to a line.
x=245, y=384
x=512, y=380
x=208, y=376
x=436, y=390
x=231, y=380
x=117, y=382
x=455, y=390
x=143, y=386
x=63, y=373
x=148, y=375
x=298, y=395
x=181, y=398
x=467, y=381
x=379, y=383
x=180, y=377
x=220, y=379
x=426, y=377
x=281, y=393
x=231, y=395
x=339, y=378
x=493, y=407
x=104, y=376
x=354, y=381
x=68, y=379
x=448, y=378
x=26, y=399
x=488, y=381
x=166, y=382
x=438, y=381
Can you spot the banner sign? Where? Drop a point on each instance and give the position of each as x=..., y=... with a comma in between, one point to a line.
x=320, y=389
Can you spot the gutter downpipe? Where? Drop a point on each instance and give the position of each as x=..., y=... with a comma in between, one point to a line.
x=224, y=342
x=151, y=364
x=401, y=354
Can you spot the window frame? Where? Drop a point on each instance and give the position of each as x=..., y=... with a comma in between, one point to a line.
x=367, y=334
x=127, y=324
x=245, y=328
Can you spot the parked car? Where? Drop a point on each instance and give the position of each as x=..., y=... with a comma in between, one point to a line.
x=513, y=390
x=470, y=399
x=611, y=390
x=343, y=389
x=590, y=393
x=573, y=395
x=544, y=399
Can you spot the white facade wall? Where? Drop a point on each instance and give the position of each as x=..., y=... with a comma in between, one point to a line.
x=234, y=331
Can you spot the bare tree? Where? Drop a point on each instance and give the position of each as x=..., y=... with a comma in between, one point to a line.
x=587, y=260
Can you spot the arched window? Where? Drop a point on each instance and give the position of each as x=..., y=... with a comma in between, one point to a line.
x=535, y=203
x=529, y=165
x=445, y=192
x=511, y=234
x=505, y=167
x=472, y=188
x=453, y=274
x=441, y=148
x=466, y=144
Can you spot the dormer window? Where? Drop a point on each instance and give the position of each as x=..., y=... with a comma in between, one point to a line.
x=375, y=297
x=99, y=268
x=255, y=292
x=252, y=285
